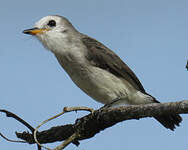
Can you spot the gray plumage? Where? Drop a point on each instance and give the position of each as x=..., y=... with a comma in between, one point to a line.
x=93, y=67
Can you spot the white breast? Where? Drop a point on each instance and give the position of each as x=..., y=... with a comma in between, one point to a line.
x=100, y=84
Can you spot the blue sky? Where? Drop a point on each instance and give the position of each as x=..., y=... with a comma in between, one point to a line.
x=150, y=36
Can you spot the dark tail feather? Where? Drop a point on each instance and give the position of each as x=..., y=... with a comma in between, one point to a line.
x=169, y=121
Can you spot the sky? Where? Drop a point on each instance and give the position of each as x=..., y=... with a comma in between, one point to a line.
x=150, y=36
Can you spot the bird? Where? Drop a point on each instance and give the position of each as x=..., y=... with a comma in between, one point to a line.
x=93, y=67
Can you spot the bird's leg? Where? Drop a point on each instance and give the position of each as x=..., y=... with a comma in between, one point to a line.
x=111, y=103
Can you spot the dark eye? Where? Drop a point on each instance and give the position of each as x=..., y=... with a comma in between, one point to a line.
x=52, y=23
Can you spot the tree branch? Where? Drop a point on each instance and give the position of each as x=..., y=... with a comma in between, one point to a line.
x=89, y=125
x=12, y=115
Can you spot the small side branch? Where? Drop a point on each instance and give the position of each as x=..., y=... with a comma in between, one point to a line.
x=71, y=139
x=10, y=140
x=12, y=115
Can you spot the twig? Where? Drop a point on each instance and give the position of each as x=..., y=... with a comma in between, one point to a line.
x=65, y=110
x=12, y=115
x=67, y=142
x=78, y=108
x=10, y=139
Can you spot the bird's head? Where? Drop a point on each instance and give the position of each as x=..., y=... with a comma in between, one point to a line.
x=52, y=31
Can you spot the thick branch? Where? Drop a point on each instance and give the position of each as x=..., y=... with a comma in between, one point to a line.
x=87, y=126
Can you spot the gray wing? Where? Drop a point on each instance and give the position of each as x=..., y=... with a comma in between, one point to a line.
x=102, y=57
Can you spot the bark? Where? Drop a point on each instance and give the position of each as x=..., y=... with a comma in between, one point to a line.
x=91, y=124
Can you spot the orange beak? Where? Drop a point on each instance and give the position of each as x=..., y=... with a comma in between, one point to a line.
x=35, y=31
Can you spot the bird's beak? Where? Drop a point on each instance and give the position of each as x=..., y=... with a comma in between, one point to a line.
x=35, y=31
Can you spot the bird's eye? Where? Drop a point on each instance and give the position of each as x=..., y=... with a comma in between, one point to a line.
x=52, y=23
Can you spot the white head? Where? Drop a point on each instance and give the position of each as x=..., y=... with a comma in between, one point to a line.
x=53, y=31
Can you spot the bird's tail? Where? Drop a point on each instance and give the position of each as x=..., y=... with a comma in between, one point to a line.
x=169, y=121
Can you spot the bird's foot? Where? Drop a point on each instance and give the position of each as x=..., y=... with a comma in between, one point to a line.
x=108, y=105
